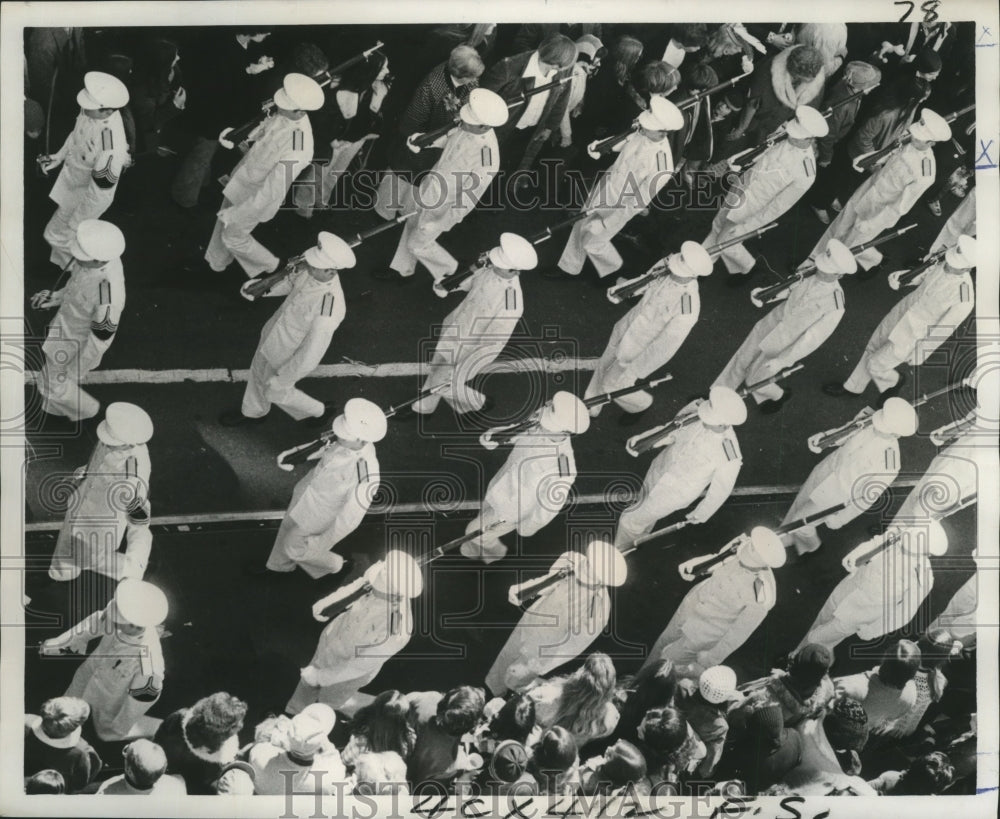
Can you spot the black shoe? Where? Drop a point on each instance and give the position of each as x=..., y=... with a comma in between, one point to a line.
x=630, y=419
x=835, y=389
x=773, y=406
x=329, y=410
x=235, y=418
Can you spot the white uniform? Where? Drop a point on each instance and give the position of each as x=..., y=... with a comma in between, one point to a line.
x=881, y=201
x=952, y=475
x=961, y=616
x=876, y=599
x=645, y=339
x=919, y=323
x=961, y=222
x=857, y=473
x=292, y=344
x=448, y=193
x=282, y=147
x=716, y=617
x=96, y=518
x=642, y=168
x=790, y=332
x=94, y=156
x=528, y=492
x=555, y=629
x=327, y=505
x=699, y=460
x=769, y=189
x=472, y=336
x=79, y=335
x=121, y=680
x=353, y=648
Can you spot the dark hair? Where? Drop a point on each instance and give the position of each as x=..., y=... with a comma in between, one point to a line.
x=657, y=77
x=926, y=776
x=690, y=34
x=625, y=55
x=702, y=76
x=153, y=64
x=897, y=671
x=804, y=63
x=625, y=764
x=47, y=781
x=214, y=719
x=515, y=719
x=309, y=59
x=555, y=753
x=460, y=710
x=653, y=687
x=360, y=77
x=664, y=730
x=558, y=50
x=383, y=723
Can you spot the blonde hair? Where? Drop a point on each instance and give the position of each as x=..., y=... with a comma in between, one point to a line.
x=585, y=696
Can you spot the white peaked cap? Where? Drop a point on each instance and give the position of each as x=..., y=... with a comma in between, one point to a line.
x=567, y=413
x=299, y=93
x=310, y=728
x=963, y=255
x=141, y=603
x=724, y=407
x=662, y=115
x=514, y=253
x=484, y=107
x=808, y=123
x=102, y=90
x=766, y=547
x=331, y=253
x=837, y=259
x=361, y=420
x=97, y=240
x=693, y=260
x=606, y=564
x=896, y=417
x=718, y=684
x=125, y=424
x=399, y=574
x=931, y=127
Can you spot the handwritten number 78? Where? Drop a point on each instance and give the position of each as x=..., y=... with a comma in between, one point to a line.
x=929, y=8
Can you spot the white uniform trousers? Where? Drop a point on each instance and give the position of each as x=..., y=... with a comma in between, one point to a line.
x=419, y=244
x=878, y=364
x=487, y=548
x=737, y=258
x=232, y=239
x=267, y=386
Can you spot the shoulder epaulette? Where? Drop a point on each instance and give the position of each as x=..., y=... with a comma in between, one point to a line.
x=486, y=156
x=838, y=299
x=809, y=166
x=510, y=299
x=760, y=592
x=107, y=140
x=686, y=305
x=104, y=292
x=927, y=167
x=965, y=293
x=131, y=467
x=563, y=466
x=662, y=163
x=327, y=308
x=730, y=450
x=298, y=140
x=362, y=467
x=890, y=459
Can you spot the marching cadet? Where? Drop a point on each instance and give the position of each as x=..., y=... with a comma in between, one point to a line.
x=700, y=457
x=296, y=337
x=856, y=473
x=475, y=332
x=114, y=483
x=355, y=645
x=93, y=158
x=649, y=334
x=889, y=193
x=962, y=221
x=644, y=165
x=123, y=677
x=330, y=502
x=572, y=608
x=952, y=475
x=882, y=591
x=718, y=615
x=795, y=328
x=452, y=188
x=910, y=332
x=534, y=482
x=282, y=148
x=770, y=188
x=90, y=307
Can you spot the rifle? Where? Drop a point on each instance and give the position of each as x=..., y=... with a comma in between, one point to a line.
x=534, y=589
x=866, y=161
x=504, y=435
x=236, y=135
x=760, y=296
x=255, y=288
x=453, y=281
x=835, y=437
x=451, y=545
x=666, y=530
x=300, y=454
x=44, y=295
x=652, y=438
x=902, y=278
x=428, y=138
x=949, y=433
x=633, y=287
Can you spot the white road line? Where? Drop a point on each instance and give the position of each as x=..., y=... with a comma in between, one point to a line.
x=395, y=369
x=418, y=508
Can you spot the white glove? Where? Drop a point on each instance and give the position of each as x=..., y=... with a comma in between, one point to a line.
x=591, y=152
x=695, y=517
x=44, y=299
x=80, y=473
x=746, y=64
x=487, y=443
x=379, y=91
x=409, y=143
x=512, y=595
x=225, y=143
x=850, y=563
x=47, y=163
x=317, y=611
x=894, y=278
x=180, y=99
x=263, y=64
